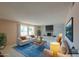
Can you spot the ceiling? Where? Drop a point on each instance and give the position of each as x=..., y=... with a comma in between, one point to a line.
x=36, y=13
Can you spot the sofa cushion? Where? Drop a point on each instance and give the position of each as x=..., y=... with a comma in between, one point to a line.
x=23, y=38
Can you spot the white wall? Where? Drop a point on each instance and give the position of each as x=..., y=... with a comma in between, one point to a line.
x=74, y=12
x=58, y=28
x=43, y=31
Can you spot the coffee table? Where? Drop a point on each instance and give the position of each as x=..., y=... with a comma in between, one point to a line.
x=39, y=43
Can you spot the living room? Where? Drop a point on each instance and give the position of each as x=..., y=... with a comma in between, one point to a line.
x=27, y=24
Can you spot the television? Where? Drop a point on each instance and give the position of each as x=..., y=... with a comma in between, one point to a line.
x=69, y=29
x=49, y=27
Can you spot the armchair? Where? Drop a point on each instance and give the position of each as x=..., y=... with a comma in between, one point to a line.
x=62, y=50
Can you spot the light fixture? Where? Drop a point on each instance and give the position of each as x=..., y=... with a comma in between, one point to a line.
x=60, y=34
x=59, y=38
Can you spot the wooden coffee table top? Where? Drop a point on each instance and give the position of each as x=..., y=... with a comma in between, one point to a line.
x=39, y=43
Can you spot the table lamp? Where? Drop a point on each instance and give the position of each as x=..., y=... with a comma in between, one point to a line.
x=54, y=48
x=59, y=38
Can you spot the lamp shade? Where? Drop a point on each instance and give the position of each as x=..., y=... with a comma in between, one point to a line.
x=54, y=48
x=59, y=38
x=60, y=34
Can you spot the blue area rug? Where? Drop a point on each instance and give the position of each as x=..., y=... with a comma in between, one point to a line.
x=31, y=50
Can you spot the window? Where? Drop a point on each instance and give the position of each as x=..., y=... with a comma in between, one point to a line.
x=23, y=30
x=26, y=30
x=31, y=30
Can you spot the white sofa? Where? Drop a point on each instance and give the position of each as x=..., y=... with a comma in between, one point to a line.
x=21, y=42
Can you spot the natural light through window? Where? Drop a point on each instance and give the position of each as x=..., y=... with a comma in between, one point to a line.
x=31, y=30
x=23, y=30
x=26, y=30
